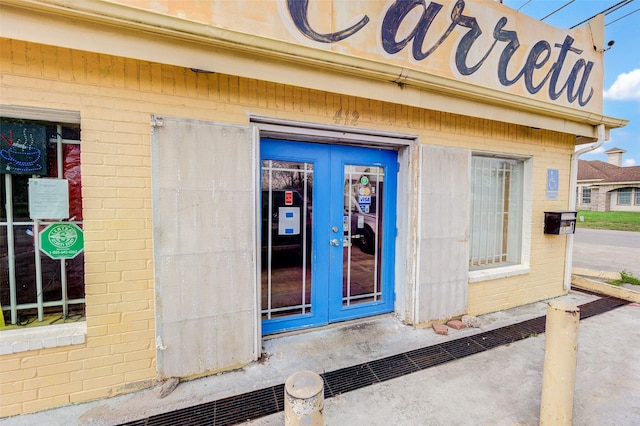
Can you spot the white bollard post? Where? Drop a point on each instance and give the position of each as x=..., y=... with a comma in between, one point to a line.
x=559, y=370
x=304, y=399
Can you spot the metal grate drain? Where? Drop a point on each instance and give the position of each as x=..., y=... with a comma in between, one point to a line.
x=263, y=402
x=392, y=367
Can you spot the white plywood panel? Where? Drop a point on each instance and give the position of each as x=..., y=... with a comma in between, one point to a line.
x=204, y=246
x=444, y=233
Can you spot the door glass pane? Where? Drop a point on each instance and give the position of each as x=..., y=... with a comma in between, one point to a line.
x=363, y=192
x=287, y=204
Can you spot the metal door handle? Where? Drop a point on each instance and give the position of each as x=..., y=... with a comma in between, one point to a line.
x=335, y=242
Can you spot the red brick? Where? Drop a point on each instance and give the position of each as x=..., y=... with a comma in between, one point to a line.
x=440, y=329
x=456, y=324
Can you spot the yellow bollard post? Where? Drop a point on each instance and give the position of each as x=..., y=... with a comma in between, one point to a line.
x=559, y=370
x=304, y=399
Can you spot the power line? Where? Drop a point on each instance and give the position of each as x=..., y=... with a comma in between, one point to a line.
x=616, y=20
x=558, y=9
x=606, y=11
x=526, y=3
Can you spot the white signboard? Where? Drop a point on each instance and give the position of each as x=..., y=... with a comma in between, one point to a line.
x=484, y=43
x=48, y=198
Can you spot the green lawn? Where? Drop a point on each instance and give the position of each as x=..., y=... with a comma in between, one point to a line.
x=617, y=221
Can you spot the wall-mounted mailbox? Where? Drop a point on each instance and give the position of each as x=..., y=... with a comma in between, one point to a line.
x=559, y=223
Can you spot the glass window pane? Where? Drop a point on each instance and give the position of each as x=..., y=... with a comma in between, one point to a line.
x=19, y=262
x=363, y=194
x=496, y=212
x=287, y=205
x=624, y=196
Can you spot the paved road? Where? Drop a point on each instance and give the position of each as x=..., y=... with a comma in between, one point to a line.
x=604, y=250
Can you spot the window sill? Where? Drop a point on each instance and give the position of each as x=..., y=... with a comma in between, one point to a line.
x=496, y=273
x=50, y=336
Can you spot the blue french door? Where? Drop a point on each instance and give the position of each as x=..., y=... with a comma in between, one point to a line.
x=328, y=233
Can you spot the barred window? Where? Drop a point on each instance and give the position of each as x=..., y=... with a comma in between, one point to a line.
x=33, y=285
x=637, y=196
x=496, y=212
x=586, y=195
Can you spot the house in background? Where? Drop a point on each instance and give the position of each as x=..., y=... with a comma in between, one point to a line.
x=608, y=186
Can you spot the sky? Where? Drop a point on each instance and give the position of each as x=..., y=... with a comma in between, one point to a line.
x=621, y=62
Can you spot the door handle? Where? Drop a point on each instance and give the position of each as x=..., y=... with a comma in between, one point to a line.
x=335, y=242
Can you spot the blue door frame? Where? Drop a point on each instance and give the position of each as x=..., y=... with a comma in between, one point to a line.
x=326, y=260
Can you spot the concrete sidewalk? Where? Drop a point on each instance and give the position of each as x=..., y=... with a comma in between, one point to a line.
x=498, y=386
x=502, y=386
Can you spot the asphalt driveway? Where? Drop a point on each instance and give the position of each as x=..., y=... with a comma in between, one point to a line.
x=610, y=251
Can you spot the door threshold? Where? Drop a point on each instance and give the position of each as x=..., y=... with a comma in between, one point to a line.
x=330, y=326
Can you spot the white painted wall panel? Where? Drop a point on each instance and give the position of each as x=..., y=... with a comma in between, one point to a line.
x=444, y=233
x=204, y=246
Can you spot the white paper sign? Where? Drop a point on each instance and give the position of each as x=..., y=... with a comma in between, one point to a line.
x=288, y=220
x=48, y=198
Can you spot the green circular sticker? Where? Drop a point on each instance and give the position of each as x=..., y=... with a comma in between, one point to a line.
x=364, y=180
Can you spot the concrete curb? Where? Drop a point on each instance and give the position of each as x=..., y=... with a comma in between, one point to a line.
x=601, y=275
x=606, y=289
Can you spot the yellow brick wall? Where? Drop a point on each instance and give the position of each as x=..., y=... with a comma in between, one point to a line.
x=115, y=98
x=549, y=150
